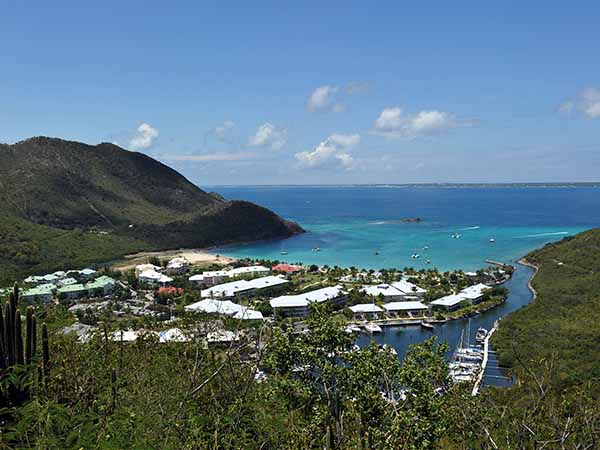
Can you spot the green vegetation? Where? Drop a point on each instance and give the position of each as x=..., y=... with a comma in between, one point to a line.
x=28, y=248
x=278, y=388
x=65, y=202
x=561, y=326
x=21, y=369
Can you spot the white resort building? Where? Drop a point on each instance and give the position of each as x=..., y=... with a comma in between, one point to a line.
x=408, y=308
x=448, y=302
x=365, y=311
x=154, y=278
x=472, y=294
x=475, y=293
x=225, y=307
x=234, y=288
x=409, y=289
x=210, y=278
x=385, y=291
x=298, y=305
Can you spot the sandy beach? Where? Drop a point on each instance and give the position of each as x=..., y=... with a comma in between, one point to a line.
x=194, y=256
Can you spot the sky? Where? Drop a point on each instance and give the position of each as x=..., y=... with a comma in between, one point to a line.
x=234, y=93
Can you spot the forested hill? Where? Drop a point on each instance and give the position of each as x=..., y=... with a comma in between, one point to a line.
x=52, y=188
x=561, y=328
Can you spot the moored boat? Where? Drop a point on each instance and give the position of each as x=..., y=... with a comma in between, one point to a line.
x=372, y=328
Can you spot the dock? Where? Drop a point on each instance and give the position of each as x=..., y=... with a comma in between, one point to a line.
x=496, y=263
x=486, y=351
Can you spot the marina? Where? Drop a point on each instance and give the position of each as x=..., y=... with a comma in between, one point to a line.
x=401, y=336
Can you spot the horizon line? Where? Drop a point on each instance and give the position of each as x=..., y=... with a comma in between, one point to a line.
x=425, y=184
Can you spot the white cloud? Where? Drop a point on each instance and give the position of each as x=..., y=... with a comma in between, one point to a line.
x=269, y=135
x=330, y=151
x=587, y=102
x=144, y=137
x=321, y=98
x=221, y=131
x=333, y=98
x=394, y=123
x=344, y=140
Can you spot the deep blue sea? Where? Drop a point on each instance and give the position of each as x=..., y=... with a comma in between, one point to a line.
x=349, y=224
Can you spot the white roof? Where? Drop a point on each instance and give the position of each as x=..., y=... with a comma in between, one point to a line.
x=248, y=314
x=474, y=292
x=67, y=281
x=247, y=269
x=264, y=282
x=471, y=274
x=226, y=289
x=172, y=335
x=319, y=296
x=154, y=276
x=449, y=300
x=82, y=272
x=403, y=306
x=408, y=288
x=384, y=289
x=145, y=267
x=233, y=287
x=212, y=306
x=366, y=308
x=128, y=335
x=210, y=273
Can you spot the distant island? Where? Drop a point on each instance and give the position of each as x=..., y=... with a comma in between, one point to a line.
x=68, y=204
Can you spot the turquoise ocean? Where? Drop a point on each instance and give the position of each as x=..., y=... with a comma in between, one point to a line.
x=350, y=224
x=363, y=226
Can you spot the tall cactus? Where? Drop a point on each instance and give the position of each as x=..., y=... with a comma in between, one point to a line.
x=2, y=351
x=29, y=335
x=45, y=351
x=13, y=351
x=19, y=357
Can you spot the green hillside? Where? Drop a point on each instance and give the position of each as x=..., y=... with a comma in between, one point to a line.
x=66, y=203
x=562, y=325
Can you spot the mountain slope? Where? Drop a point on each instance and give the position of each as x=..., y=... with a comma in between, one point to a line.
x=57, y=186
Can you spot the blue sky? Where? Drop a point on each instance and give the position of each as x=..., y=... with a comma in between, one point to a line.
x=314, y=92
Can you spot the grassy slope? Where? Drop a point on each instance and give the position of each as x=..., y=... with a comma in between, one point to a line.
x=27, y=248
x=564, y=321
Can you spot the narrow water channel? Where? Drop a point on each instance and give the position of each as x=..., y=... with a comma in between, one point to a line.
x=401, y=337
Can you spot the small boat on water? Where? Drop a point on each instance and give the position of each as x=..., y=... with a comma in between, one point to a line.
x=316, y=249
x=456, y=236
x=373, y=328
x=428, y=261
x=284, y=253
x=352, y=329
x=415, y=256
x=376, y=252
x=481, y=335
x=492, y=240
x=388, y=347
x=426, y=247
x=427, y=325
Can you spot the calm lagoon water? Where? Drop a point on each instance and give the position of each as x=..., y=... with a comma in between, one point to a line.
x=349, y=224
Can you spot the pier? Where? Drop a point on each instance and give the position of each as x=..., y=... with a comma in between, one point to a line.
x=496, y=263
x=486, y=351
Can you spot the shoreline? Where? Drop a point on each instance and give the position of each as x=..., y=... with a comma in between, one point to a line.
x=523, y=261
x=195, y=256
